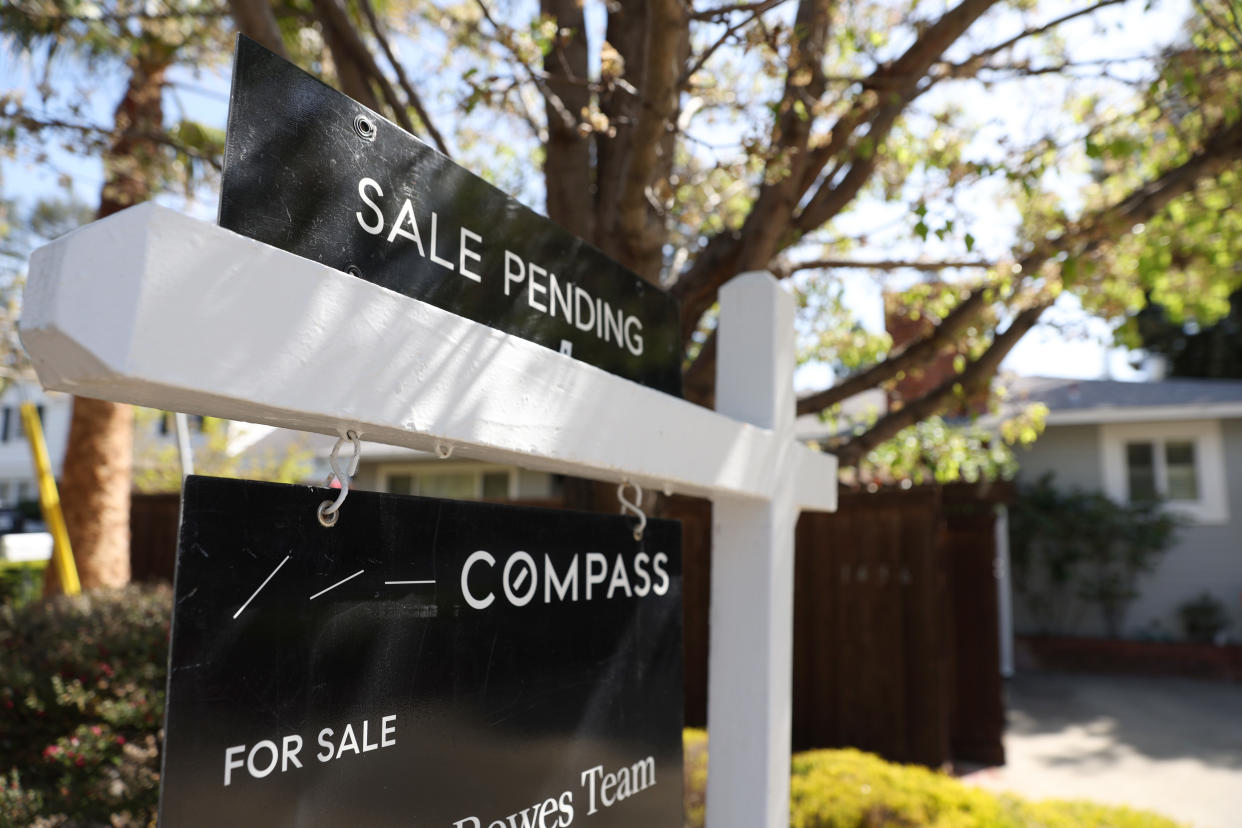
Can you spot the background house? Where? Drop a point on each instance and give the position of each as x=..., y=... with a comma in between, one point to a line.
x=1178, y=439
x=17, y=477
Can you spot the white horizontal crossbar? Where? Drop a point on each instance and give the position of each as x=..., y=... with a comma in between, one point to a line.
x=155, y=308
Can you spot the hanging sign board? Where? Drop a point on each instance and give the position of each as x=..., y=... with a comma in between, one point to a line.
x=309, y=170
x=421, y=663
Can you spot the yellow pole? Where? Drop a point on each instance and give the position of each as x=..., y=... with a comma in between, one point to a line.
x=49, y=499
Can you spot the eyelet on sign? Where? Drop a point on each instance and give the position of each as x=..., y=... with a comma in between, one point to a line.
x=365, y=127
x=327, y=519
x=354, y=270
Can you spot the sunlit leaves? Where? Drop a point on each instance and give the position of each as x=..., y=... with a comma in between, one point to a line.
x=936, y=451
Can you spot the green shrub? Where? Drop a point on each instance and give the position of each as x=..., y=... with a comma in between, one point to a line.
x=851, y=789
x=81, y=706
x=1203, y=618
x=21, y=583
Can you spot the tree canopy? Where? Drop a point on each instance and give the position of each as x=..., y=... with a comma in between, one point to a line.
x=693, y=141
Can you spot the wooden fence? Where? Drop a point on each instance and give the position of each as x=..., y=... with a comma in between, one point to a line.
x=896, y=647
x=153, y=522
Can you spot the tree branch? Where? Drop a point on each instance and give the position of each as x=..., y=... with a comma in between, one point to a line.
x=350, y=62
x=723, y=255
x=830, y=199
x=411, y=95
x=976, y=374
x=725, y=11
x=783, y=270
x=974, y=62
x=32, y=123
x=536, y=77
x=641, y=231
x=917, y=352
x=256, y=20
x=756, y=9
x=698, y=382
x=1086, y=238
x=627, y=33
x=567, y=157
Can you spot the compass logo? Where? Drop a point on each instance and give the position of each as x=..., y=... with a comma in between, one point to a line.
x=521, y=581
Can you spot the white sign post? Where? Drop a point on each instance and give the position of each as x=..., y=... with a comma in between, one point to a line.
x=154, y=308
x=750, y=657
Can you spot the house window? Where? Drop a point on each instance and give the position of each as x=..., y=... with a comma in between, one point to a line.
x=1162, y=469
x=455, y=482
x=1181, y=478
x=495, y=485
x=1181, y=463
x=1141, y=470
x=166, y=423
x=11, y=427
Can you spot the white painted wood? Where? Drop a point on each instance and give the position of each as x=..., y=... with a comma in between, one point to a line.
x=151, y=307
x=1004, y=591
x=750, y=662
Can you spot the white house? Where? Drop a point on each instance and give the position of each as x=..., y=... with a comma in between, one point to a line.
x=17, y=477
x=1179, y=439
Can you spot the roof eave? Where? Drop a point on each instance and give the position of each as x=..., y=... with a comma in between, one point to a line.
x=1144, y=413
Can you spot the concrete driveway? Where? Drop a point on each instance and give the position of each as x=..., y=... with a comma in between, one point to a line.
x=1164, y=744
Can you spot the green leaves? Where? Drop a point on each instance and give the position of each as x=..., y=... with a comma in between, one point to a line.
x=936, y=451
x=1073, y=549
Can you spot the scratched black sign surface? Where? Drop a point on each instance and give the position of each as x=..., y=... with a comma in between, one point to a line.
x=283, y=628
x=292, y=166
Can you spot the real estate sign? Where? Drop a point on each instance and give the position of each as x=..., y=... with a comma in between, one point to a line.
x=309, y=170
x=423, y=662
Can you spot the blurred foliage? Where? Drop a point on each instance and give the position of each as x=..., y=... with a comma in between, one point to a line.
x=81, y=707
x=71, y=48
x=1211, y=352
x=1186, y=259
x=851, y=789
x=157, y=461
x=1072, y=550
x=21, y=583
x=22, y=229
x=1203, y=618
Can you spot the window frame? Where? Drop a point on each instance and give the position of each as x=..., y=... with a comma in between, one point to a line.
x=385, y=471
x=1212, y=505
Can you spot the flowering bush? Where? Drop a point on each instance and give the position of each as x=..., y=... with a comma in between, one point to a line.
x=81, y=706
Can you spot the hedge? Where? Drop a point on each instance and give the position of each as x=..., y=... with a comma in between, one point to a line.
x=852, y=789
x=81, y=706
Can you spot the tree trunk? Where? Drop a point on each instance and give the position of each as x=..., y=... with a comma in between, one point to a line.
x=256, y=20
x=95, y=479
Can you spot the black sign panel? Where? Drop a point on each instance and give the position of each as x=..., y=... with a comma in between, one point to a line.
x=422, y=663
x=312, y=171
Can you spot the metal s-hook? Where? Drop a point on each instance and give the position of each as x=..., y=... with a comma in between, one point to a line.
x=329, y=511
x=633, y=507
